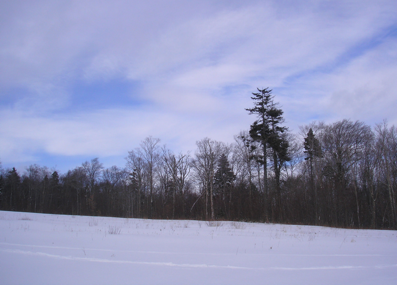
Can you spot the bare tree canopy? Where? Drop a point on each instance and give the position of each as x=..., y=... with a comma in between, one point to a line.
x=340, y=174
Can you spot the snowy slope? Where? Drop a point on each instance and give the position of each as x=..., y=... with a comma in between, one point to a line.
x=57, y=249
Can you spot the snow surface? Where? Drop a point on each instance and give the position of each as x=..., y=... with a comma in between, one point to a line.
x=60, y=249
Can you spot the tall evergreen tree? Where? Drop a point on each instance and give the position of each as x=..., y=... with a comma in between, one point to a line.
x=312, y=146
x=11, y=190
x=267, y=130
x=54, y=192
x=312, y=150
x=279, y=145
x=260, y=132
x=224, y=177
x=135, y=191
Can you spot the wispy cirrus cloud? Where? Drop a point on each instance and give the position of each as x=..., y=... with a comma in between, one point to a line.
x=83, y=78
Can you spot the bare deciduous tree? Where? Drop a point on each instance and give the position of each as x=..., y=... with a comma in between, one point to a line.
x=386, y=145
x=204, y=163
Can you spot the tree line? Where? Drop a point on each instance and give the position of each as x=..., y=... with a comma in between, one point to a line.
x=342, y=174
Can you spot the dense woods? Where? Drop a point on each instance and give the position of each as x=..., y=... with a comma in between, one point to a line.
x=342, y=174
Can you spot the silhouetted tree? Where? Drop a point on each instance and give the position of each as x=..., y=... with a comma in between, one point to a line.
x=267, y=131
x=312, y=151
x=12, y=186
x=207, y=154
x=223, y=180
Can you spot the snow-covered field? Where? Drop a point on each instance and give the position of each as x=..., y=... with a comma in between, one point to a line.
x=57, y=249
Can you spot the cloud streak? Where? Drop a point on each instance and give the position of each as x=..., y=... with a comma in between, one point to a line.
x=189, y=68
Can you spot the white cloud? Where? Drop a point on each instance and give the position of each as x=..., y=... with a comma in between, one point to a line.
x=102, y=133
x=197, y=64
x=364, y=89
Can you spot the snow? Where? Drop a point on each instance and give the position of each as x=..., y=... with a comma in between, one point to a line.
x=61, y=249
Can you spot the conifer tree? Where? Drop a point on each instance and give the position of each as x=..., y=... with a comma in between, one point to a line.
x=224, y=177
x=54, y=192
x=260, y=132
x=267, y=131
x=12, y=187
x=312, y=150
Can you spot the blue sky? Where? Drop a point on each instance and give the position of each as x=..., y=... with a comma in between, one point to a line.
x=85, y=79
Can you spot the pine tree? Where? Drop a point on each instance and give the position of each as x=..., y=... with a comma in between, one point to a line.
x=312, y=150
x=135, y=189
x=224, y=175
x=11, y=189
x=267, y=131
x=223, y=180
x=312, y=146
x=54, y=192
x=260, y=132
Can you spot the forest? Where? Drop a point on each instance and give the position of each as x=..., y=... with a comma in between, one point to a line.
x=342, y=174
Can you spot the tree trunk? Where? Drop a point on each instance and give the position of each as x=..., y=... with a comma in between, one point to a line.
x=265, y=186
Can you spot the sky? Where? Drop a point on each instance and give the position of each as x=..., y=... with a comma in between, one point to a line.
x=85, y=79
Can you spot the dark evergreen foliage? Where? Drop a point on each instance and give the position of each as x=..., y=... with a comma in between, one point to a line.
x=312, y=150
x=224, y=176
x=342, y=174
x=268, y=132
x=312, y=146
x=223, y=185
